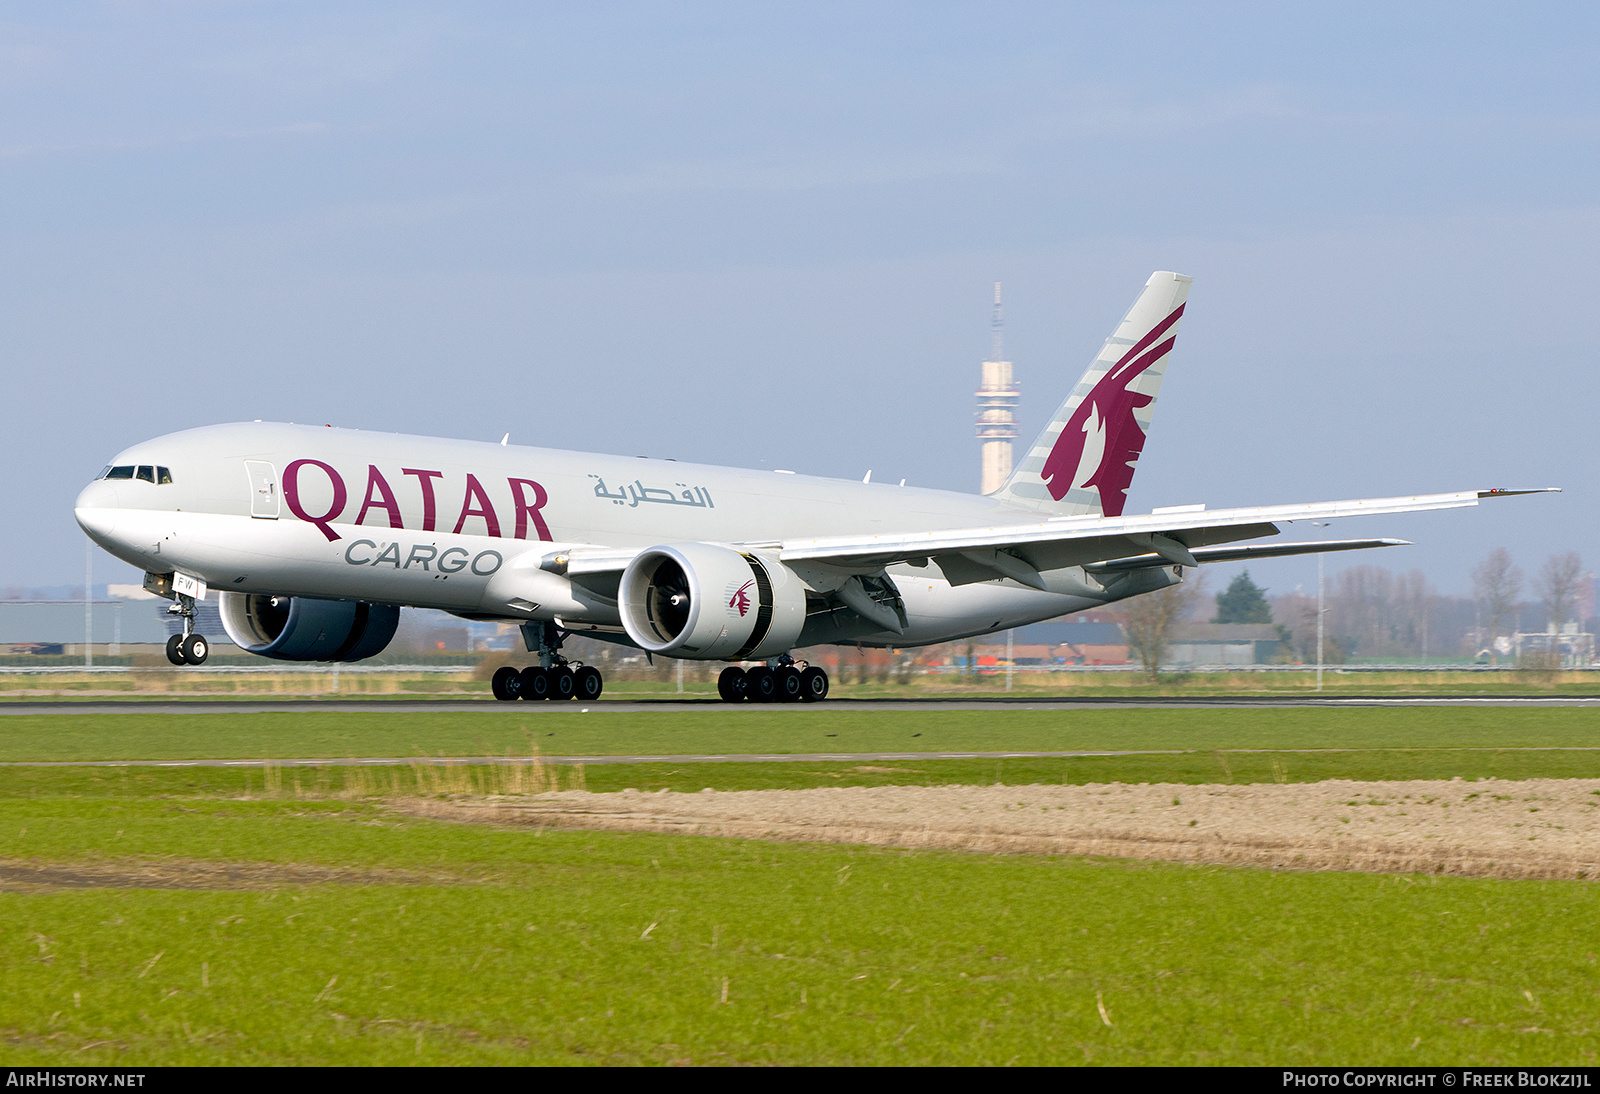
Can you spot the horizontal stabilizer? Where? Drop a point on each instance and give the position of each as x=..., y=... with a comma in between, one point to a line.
x=1204, y=555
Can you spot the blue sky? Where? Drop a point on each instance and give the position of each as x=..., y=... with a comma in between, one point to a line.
x=765, y=235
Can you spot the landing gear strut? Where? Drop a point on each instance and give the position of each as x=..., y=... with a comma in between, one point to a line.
x=187, y=648
x=781, y=680
x=554, y=677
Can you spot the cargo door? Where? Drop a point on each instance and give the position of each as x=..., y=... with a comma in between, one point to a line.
x=263, y=489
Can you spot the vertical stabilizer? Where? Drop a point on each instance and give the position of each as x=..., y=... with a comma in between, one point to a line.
x=1083, y=462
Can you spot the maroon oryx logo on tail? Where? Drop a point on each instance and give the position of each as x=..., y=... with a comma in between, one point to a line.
x=741, y=598
x=1101, y=441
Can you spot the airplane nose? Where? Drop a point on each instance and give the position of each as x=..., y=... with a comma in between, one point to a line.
x=96, y=510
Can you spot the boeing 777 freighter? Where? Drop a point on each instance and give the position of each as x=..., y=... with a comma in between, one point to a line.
x=316, y=537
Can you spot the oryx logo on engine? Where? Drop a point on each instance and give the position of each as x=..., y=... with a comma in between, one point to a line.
x=741, y=598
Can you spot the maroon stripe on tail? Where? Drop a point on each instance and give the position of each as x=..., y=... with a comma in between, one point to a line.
x=1155, y=332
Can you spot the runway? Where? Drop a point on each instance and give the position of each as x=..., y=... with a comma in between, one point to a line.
x=996, y=704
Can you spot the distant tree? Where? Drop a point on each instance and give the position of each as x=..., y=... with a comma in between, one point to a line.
x=1496, y=583
x=1243, y=601
x=1148, y=620
x=1557, y=586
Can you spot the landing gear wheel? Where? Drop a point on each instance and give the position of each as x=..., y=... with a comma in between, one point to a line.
x=761, y=685
x=175, y=650
x=195, y=649
x=562, y=686
x=813, y=685
x=505, y=683
x=588, y=683
x=535, y=683
x=731, y=684
x=787, y=681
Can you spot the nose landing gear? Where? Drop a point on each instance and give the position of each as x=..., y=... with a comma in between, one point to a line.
x=553, y=678
x=783, y=680
x=187, y=648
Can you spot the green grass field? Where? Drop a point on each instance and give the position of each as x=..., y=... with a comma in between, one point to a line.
x=1193, y=768
x=351, y=934
x=515, y=947
x=677, y=731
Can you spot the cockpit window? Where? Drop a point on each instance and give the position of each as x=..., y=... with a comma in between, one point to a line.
x=144, y=472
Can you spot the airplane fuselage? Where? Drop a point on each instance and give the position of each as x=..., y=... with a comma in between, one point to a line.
x=472, y=527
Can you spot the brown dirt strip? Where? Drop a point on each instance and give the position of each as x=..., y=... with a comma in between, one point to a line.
x=33, y=876
x=1536, y=828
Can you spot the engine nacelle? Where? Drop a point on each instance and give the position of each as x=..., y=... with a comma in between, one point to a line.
x=302, y=629
x=704, y=602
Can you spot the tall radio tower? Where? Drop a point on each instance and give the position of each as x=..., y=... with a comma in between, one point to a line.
x=997, y=406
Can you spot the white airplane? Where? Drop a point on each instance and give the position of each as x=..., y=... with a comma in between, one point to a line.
x=315, y=537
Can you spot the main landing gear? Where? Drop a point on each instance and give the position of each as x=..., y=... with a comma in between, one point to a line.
x=187, y=648
x=559, y=681
x=554, y=677
x=782, y=680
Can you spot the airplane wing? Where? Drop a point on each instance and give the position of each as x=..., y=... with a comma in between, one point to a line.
x=1182, y=538
x=1100, y=544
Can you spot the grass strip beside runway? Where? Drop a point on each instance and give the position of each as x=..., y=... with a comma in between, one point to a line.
x=119, y=735
x=329, y=781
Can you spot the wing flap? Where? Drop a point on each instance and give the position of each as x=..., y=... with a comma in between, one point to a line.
x=1203, y=555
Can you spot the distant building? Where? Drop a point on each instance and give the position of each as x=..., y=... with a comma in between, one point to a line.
x=1061, y=642
x=1082, y=643
x=1220, y=644
x=1572, y=645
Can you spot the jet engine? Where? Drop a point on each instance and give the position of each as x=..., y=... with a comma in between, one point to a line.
x=302, y=629
x=705, y=602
